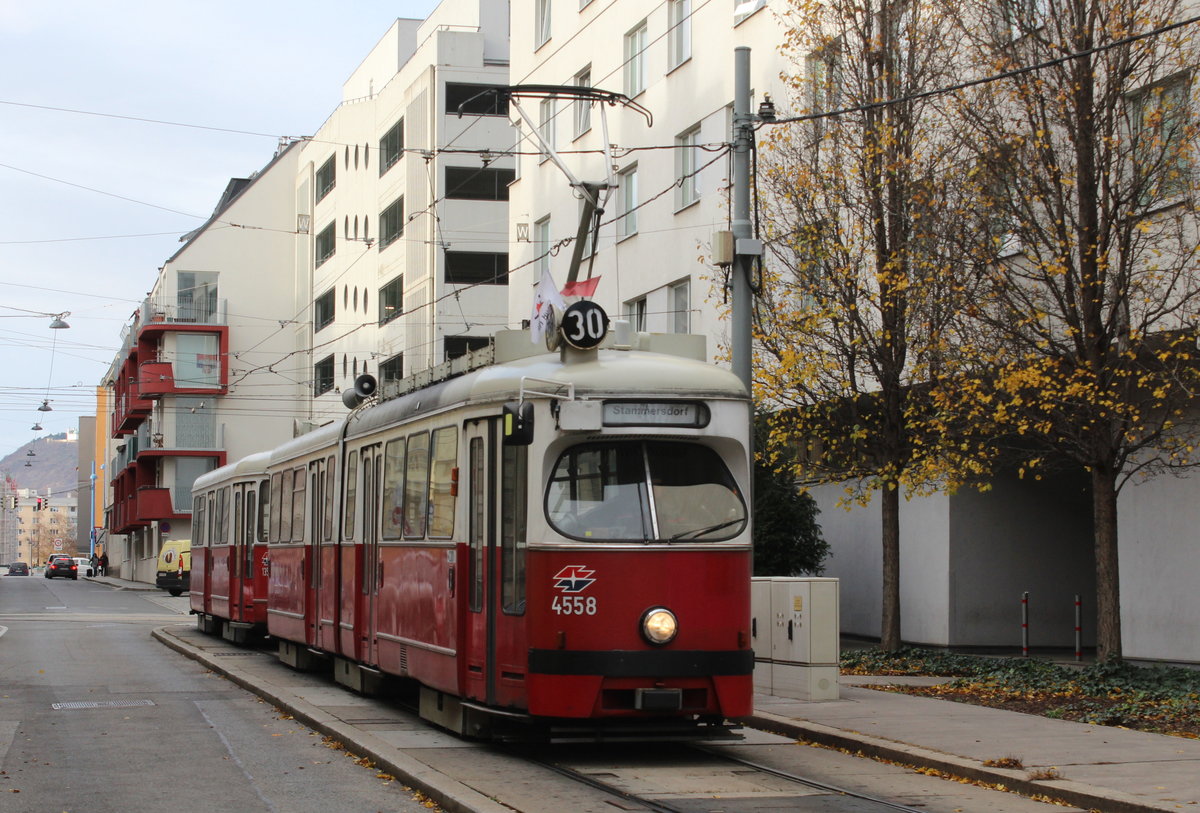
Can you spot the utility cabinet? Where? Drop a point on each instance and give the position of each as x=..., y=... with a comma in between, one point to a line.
x=795, y=635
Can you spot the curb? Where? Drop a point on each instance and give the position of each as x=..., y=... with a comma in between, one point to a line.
x=449, y=793
x=1059, y=790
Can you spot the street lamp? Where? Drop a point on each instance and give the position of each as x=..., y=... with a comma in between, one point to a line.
x=57, y=323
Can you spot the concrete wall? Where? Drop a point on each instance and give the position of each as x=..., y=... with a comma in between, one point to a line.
x=1021, y=535
x=854, y=538
x=1160, y=569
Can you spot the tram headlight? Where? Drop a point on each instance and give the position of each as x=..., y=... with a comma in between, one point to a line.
x=659, y=626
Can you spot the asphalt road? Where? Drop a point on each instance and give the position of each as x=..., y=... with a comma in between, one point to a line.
x=96, y=716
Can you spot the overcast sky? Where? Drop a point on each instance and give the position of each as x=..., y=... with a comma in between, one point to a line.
x=91, y=205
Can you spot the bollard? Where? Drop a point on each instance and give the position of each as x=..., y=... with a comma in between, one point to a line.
x=1025, y=624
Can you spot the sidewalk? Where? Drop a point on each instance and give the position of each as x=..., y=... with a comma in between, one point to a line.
x=1113, y=770
x=120, y=584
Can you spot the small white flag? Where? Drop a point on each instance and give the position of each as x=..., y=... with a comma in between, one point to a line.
x=544, y=296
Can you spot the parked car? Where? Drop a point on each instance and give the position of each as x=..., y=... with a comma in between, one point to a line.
x=62, y=566
x=85, y=566
x=18, y=569
x=175, y=566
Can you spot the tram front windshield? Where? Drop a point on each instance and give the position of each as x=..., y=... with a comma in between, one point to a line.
x=640, y=491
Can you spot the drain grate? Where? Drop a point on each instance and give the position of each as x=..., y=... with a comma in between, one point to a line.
x=230, y=654
x=100, y=704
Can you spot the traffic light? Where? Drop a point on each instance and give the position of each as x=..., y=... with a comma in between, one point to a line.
x=38, y=505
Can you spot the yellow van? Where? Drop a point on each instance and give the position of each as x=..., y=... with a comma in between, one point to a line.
x=175, y=566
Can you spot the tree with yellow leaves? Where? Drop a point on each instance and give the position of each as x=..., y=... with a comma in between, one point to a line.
x=862, y=288
x=1084, y=244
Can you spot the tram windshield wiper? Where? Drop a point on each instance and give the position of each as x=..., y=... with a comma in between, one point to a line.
x=692, y=534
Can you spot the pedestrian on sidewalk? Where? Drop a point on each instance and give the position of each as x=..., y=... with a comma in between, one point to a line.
x=104, y=564
x=95, y=563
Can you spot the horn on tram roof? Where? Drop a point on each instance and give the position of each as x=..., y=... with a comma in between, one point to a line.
x=364, y=387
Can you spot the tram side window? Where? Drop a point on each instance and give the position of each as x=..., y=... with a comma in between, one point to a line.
x=273, y=522
x=285, y=508
x=264, y=511
x=514, y=475
x=442, y=482
x=351, y=494
x=393, y=489
x=198, y=521
x=222, y=537
x=298, y=506
x=416, y=485
x=212, y=518
x=330, y=480
x=248, y=533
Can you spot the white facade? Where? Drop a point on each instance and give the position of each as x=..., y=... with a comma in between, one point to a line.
x=393, y=298
x=217, y=311
x=676, y=60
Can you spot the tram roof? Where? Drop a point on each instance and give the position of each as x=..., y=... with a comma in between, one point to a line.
x=604, y=373
x=598, y=374
x=249, y=465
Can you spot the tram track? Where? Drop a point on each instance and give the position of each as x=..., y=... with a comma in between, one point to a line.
x=722, y=782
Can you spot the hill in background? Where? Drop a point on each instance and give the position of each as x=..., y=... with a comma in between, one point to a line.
x=54, y=464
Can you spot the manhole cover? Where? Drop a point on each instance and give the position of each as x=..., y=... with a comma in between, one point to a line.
x=100, y=704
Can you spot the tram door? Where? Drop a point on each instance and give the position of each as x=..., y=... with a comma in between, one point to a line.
x=371, y=574
x=237, y=556
x=316, y=514
x=495, y=596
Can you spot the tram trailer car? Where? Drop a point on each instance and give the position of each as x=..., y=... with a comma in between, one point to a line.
x=229, y=548
x=556, y=544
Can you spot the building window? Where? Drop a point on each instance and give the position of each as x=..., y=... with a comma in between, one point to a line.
x=635, y=312
x=323, y=376
x=546, y=126
x=541, y=245
x=392, y=369
x=681, y=307
x=391, y=223
x=627, y=217
x=679, y=36
x=197, y=361
x=744, y=8
x=1160, y=121
x=541, y=22
x=477, y=268
x=823, y=68
x=635, y=60
x=475, y=100
x=687, y=166
x=323, y=307
x=391, y=147
x=486, y=183
x=326, y=244
x=391, y=300
x=326, y=178
x=461, y=345
x=583, y=107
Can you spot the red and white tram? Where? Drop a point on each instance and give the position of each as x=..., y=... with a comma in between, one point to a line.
x=229, y=541
x=560, y=540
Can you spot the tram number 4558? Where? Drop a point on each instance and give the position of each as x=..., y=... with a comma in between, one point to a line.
x=574, y=605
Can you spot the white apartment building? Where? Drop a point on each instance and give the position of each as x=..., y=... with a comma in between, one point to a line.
x=377, y=245
x=209, y=370
x=405, y=203
x=676, y=60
